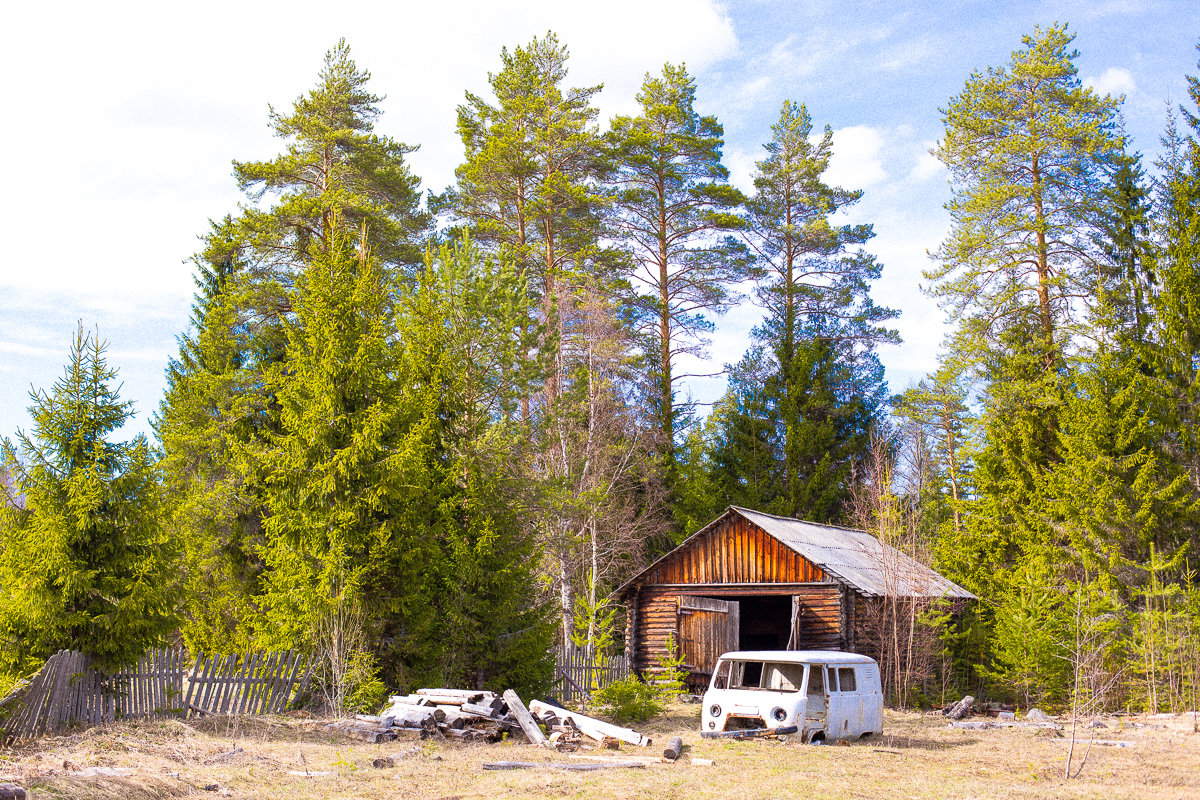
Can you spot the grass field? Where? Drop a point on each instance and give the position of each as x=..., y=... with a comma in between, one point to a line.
x=293, y=757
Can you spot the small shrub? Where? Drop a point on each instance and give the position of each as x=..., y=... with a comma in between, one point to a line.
x=670, y=680
x=630, y=700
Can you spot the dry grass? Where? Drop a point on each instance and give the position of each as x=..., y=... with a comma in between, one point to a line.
x=917, y=757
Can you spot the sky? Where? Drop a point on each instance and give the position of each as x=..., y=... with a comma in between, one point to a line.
x=122, y=120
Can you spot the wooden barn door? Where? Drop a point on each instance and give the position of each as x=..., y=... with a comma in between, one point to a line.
x=794, y=635
x=707, y=628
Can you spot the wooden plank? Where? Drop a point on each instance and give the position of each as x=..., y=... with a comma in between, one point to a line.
x=594, y=728
x=302, y=684
x=269, y=677
x=211, y=688
x=265, y=670
x=283, y=682
x=253, y=662
x=532, y=732
x=279, y=694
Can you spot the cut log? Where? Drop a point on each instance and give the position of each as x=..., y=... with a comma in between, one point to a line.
x=486, y=711
x=961, y=709
x=406, y=716
x=532, y=732
x=372, y=735
x=459, y=719
x=594, y=728
x=756, y=733
x=451, y=697
x=674, y=748
x=609, y=759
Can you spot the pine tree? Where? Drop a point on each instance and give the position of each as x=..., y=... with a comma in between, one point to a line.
x=821, y=325
x=83, y=560
x=1028, y=147
x=336, y=171
x=528, y=186
x=675, y=211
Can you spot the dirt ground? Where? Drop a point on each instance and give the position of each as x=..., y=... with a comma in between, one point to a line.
x=917, y=756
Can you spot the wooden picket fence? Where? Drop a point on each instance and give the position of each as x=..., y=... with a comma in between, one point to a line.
x=579, y=673
x=165, y=682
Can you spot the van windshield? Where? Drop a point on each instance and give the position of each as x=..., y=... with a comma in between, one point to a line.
x=769, y=675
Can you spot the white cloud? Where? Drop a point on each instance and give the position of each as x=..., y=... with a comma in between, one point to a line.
x=123, y=130
x=741, y=165
x=927, y=165
x=139, y=108
x=1114, y=81
x=857, y=157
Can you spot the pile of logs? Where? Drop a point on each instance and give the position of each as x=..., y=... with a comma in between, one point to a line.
x=469, y=715
x=459, y=714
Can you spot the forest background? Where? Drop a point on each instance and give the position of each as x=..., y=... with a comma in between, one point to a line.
x=427, y=434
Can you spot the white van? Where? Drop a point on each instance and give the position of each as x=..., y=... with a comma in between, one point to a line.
x=824, y=694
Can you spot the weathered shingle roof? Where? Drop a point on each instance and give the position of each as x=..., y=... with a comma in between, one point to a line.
x=857, y=558
x=853, y=557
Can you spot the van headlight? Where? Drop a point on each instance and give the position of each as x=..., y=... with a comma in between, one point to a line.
x=779, y=714
x=714, y=710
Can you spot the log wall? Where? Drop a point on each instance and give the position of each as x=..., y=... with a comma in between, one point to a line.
x=653, y=616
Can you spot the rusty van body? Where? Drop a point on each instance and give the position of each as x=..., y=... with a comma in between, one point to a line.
x=824, y=694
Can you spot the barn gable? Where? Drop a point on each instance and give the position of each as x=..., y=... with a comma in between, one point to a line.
x=732, y=549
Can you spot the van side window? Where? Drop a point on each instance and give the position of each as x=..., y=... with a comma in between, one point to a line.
x=751, y=675
x=784, y=677
x=846, y=678
x=816, y=679
x=833, y=686
x=721, y=679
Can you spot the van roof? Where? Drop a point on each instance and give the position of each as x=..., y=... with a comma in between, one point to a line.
x=799, y=656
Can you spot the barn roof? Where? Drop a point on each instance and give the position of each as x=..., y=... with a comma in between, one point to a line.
x=849, y=556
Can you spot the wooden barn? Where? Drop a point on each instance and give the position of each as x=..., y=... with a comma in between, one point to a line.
x=754, y=581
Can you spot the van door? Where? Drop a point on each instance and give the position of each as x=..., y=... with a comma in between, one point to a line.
x=707, y=628
x=816, y=701
x=852, y=701
x=836, y=718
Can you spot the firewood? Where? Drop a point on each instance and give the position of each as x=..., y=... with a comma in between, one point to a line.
x=674, y=748
x=568, y=767
x=532, y=732
x=451, y=697
x=594, y=728
x=487, y=711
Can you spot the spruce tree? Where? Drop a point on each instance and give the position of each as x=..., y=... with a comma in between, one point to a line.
x=211, y=426
x=461, y=323
x=346, y=476
x=84, y=563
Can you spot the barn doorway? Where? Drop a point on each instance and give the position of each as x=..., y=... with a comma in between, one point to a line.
x=766, y=622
